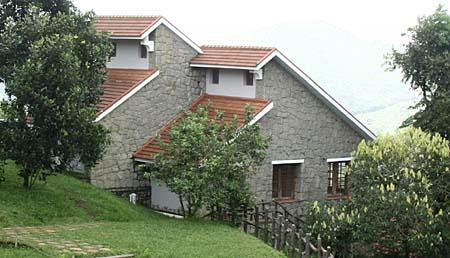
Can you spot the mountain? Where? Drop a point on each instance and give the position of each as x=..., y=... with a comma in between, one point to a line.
x=349, y=68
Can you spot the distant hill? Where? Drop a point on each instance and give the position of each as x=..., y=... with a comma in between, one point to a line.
x=387, y=119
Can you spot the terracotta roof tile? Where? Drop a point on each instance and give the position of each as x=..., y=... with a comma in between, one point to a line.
x=119, y=83
x=232, y=55
x=125, y=26
x=230, y=106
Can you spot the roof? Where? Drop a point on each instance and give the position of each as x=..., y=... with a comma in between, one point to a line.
x=119, y=84
x=126, y=26
x=238, y=56
x=230, y=106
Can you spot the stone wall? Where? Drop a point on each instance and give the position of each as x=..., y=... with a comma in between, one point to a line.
x=301, y=127
x=142, y=115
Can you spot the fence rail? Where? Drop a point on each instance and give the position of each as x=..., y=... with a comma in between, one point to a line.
x=277, y=227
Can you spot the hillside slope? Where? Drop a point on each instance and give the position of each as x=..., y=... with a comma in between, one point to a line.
x=119, y=226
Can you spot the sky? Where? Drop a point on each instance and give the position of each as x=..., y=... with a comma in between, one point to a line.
x=215, y=22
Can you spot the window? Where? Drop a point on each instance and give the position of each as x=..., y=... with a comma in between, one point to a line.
x=248, y=78
x=215, y=76
x=283, y=181
x=337, y=178
x=143, y=51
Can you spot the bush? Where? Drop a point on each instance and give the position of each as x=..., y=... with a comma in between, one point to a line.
x=399, y=198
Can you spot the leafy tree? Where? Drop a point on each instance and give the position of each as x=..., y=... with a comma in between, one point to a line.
x=399, y=204
x=207, y=161
x=53, y=66
x=425, y=63
x=16, y=9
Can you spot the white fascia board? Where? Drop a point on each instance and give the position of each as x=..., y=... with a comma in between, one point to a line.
x=321, y=93
x=224, y=67
x=288, y=161
x=142, y=160
x=172, y=28
x=124, y=98
x=339, y=159
x=262, y=113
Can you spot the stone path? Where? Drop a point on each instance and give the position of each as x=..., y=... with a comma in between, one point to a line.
x=45, y=236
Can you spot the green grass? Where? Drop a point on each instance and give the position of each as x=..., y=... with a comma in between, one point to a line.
x=124, y=228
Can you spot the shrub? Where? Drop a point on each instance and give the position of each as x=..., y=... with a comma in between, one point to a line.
x=399, y=201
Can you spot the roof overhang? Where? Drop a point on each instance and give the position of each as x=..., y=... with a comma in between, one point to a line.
x=169, y=25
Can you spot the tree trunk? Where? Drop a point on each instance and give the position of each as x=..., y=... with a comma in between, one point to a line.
x=182, y=206
x=26, y=180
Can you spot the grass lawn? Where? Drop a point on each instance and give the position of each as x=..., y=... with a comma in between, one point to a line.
x=123, y=228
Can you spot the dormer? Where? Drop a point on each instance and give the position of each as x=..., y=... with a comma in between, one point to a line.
x=232, y=71
x=133, y=38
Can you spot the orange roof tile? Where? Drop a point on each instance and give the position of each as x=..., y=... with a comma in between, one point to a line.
x=232, y=56
x=230, y=106
x=125, y=26
x=119, y=83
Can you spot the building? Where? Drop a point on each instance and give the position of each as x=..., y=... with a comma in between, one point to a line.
x=157, y=72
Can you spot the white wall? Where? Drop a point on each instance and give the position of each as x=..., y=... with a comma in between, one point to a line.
x=231, y=83
x=163, y=198
x=128, y=55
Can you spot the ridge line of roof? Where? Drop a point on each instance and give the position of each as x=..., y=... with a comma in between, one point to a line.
x=129, y=16
x=238, y=47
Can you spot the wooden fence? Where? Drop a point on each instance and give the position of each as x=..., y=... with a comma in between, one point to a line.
x=277, y=227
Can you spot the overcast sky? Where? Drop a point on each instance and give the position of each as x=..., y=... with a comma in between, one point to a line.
x=213, y=22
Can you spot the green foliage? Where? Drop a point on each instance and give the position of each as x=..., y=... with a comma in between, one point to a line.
x=14, y=10
x=53, y=66
x=425, y=63
x=334, y=223
x=399, y=186
x=208, y=160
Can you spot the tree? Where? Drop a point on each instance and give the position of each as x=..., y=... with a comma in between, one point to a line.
x=53, y=66
x=399, y=204
x=208, y=160
x=425, y=63
x=17, y=9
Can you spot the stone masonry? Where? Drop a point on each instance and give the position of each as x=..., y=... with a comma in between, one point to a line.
x=301, y=127
x=142, y=115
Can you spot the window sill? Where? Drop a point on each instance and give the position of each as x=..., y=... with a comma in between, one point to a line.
x=282, y=201
x=338, y=197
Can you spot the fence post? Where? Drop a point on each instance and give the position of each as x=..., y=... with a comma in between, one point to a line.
x=319, y=246
x=244, y=219
x=256, y=216
x=300, y=241
x=284, y=230
x=328, y=251
x=266, y=222
x=280, y=229
x=293, y=244
x=274, y=233
x=307, y=245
